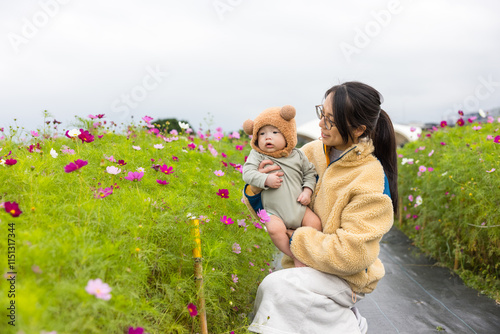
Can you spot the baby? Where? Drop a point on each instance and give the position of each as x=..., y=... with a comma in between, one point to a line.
x=284, y=198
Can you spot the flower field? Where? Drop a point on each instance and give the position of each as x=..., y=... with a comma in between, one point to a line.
x=449, y=186
x=97, y=229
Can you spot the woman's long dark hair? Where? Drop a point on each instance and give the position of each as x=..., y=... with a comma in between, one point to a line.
x=355, y=104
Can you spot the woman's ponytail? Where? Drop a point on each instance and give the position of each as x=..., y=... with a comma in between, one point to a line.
x=384, y=141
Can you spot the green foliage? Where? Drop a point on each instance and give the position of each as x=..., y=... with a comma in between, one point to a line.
x=138, y=240
x=450, y=210
x=168, y=124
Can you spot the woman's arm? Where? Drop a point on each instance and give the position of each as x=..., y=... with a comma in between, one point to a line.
x=355, y=245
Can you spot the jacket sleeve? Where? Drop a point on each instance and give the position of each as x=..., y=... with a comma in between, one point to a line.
x=251, y=174
x=309, y=172
x=355, y=245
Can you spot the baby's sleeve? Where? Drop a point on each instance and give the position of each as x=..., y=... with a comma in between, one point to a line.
x=251, y=174
x=309, y=172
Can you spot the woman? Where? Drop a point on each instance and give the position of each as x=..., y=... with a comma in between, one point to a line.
x=355, y=198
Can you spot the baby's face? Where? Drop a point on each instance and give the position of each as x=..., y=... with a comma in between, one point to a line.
x=270, y=139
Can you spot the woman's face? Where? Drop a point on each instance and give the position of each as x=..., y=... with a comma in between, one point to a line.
x=332, y=136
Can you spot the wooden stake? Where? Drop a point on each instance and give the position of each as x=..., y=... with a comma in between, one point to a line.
x=198, y=276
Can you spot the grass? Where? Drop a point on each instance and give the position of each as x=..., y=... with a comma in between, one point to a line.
x=138, y=239
x=450, y=194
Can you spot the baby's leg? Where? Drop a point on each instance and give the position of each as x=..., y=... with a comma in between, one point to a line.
x=312, y=220
x=277, y=231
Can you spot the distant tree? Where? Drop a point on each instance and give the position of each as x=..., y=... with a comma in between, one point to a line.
x=168, y=124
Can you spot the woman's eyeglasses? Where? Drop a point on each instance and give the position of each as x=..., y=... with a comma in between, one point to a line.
x=321, y=114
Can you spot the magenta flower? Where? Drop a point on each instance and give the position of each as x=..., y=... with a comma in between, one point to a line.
x=134, y=176
x=497, y=140
x=444, y=124
x=138, y=330
x=162, y=182
x=239, y=147
x=417, y=227
x=10, y=162
x=226, y=220
x=218, y=136
x=99, y=289
x=236, y=248
x=257, y=225
x=120, y=162
x=72, y=166
x=147, y=119
x=193, y=311
x=85, y=136
x=264, y=217
x=430, y=169
x=175, y=158
x=460, y=112
x=460, y=122
x=12, y=208
x=167, y=170
x=443, y=143
x=223, y=193
x=192, y=146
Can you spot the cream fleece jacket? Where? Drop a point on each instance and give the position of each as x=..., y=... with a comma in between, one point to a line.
x=350, y=201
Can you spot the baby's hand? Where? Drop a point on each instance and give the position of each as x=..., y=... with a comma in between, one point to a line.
x=305, y=196
x=273, y=181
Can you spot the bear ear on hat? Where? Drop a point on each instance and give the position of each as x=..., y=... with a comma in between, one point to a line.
x=248, y=127
x=287, y=112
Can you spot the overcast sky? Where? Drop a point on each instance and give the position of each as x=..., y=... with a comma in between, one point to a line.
x=228, y=60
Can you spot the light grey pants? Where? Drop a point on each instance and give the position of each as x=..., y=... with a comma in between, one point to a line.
x=305, y=301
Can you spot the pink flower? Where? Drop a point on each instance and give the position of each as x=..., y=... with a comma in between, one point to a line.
x=147, y=119
x=162, y=182
x=72, y=166
x=410, y=198
x=103, y=192
x=10, y=162
x=443, y=143
x=224, y=155
x=264, y=217
x=175, y=158
x=167, y=170
x=431, y=153
x=158, y=146
x=193, y=311
x=430, y=169
x=491, y=170
x=85, y=136
x=138, y=330
x=241, y=223
x=99, y=289
x=192, y=146
x=489, y=137
x=444, y=124
x=136, y=148
x=476, y=128
x=234, y=277
x=422, y=169
x=257, y=225
x=417, y=227
x=219, y=173
x=236, y=135
x=226, y=220
x=223, y=193
x=239, y=147
x=460, y=122
x=34, y=133
x=497, y=140
x=236, y=248
x=412, y=129
x=134, y=176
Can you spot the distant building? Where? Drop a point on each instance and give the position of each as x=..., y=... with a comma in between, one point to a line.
x=310, y=131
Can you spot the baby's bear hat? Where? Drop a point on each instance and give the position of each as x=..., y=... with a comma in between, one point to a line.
x=281, y=117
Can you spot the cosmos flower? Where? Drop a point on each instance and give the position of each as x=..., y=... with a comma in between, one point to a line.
x=113, y=170
x=444, y=124
x=223, y=193
x=219, y=173
x=147, y=119
x=99, y=289
x=236, y=248
x=193, y=311
x=162, y=182
x=184, y=125
x=138, y=330
x=53, y=153
x=10, y=162
x=234, y=277
x=460, y=122
x=167, y=170
x=158, y=146
x=264, y=217
x=85, y=136
x=77, y=164
x=72, y=133
x=134, y=176
x=12, y=208
x=226, y=220
x=103, y=192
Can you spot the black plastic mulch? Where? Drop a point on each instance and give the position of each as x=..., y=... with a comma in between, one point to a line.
x=416, y=296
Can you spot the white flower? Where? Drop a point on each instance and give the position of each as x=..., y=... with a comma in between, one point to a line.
x=113, y=170
x=482, y=113
x=418, y=200
x=53, y=153
x=158, y=146
x=73, y=133
x=2, y=162
x=190, y=216
x=183, y=125
x=140, y=169
x=136, y=148
x=406, y=161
